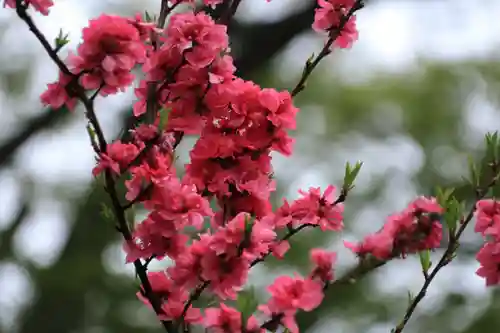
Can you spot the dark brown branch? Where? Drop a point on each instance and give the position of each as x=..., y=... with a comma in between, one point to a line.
x=229, y=12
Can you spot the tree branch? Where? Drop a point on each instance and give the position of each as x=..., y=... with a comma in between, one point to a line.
x=448, y=255
x=110, y=184
x=30, y=128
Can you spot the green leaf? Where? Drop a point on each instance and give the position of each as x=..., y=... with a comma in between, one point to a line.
x=454, y=212
x=474, y=175
x=163, y=118
x=350, y=175
x=107, y=213
x=247, y=303
x=443, y=196
x=425, y=260
x=492, y=146
x=61, y=40
x=130, y=217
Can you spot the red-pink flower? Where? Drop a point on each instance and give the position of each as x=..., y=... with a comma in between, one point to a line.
x=323, y=264
x=155, y=237
x=111, y=47
x=415, y=229
x=173, y=298
x=488, y=218
x=118, y=156
x=314, y=208
x=178, y=203
x=227, y=273
x=41, y=6
x=187, y=269
x=294, y=293
x=329, y=16
x=57, y=95
x=224, y=319
x=197, y=35
x=489, y=259
x=243, y=236
x=289, y=294
x=330, y=12
x=281, y=110
x=379, y=245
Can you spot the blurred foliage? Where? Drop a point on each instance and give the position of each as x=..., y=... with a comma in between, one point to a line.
x=428, y=106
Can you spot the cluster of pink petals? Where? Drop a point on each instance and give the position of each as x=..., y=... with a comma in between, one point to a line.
x=328, y=17
x=231, y=160
x=112, y=46
x=488, y=225
x=314, y=209
x=41, y=6
x=415, y=229
x=57, y=95
x=226, y=319
x=173, y=299
x=190, y=61
x=290, y=294
x=323, y=265
x=239, y=125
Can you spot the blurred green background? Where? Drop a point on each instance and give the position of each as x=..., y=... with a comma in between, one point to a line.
x=411, y=100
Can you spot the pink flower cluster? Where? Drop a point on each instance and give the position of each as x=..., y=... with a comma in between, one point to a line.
x=41, y=6
x=415, y=229
x=329, y=17
x=488, y=225
x=238, y=124
x=112, y=46
x=223, y=199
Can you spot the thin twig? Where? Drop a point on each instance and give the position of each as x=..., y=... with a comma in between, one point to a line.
x=334, y=34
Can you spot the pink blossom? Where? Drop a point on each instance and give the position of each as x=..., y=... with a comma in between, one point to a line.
x=281, y=110
x=172, y=296
x=227, y=273
x=294, y=293
x=188, y=269
x=223, y=319
x=118, y=156
x=235, y=239
x=328, y=17
x=314, y=208
x=57, y=95
x=41, y=6
x=155, y=237
x=110, y=49
x=179, y=203
x=489, y=259
x=329, y=13
x=488, y=218
x=323, y=262
x=415, y=229
x=291, y=294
